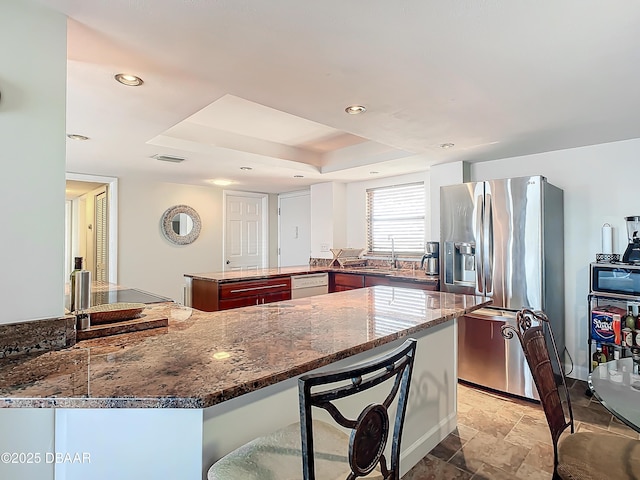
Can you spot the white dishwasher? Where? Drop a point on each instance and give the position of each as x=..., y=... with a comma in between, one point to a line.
x=309, y=285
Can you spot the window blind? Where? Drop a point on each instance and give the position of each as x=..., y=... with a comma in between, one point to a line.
x=396, y=212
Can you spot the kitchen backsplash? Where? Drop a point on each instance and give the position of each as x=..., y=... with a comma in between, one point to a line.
x=37, y=336
x=382, y=263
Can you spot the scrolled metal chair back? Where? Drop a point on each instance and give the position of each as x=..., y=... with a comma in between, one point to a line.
x=530, y=329
x=370, y=431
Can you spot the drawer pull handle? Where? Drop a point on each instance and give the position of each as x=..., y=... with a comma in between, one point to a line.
x=258, y=288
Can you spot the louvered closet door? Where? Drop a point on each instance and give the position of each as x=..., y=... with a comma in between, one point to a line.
x=102, y=238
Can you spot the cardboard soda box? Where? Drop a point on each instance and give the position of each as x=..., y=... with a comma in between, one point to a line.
x=606, y=324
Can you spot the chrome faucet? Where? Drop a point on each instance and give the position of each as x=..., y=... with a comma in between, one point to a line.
x=394, y=260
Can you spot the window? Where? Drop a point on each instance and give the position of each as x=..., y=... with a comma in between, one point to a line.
x=396, y=213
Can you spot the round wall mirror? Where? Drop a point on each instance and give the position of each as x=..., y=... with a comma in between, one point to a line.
x=181, y=224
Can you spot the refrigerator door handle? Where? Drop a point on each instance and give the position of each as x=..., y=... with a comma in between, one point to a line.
x=479, y=233
x=488, y=243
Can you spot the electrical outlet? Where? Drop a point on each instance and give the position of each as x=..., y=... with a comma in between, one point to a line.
x=324, y=247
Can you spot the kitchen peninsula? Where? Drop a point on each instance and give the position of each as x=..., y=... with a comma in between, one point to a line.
x=166, y=403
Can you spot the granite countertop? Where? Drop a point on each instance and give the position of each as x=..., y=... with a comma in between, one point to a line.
x=105, y=292
x=204, y=358
x=416, y=275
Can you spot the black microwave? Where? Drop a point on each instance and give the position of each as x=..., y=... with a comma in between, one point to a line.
x=615, y=279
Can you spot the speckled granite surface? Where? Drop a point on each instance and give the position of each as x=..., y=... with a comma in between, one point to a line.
x=416, y=275
x=202, y=359
x=37, y=336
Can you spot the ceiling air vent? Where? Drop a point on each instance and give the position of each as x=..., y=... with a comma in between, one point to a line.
x=168, y=158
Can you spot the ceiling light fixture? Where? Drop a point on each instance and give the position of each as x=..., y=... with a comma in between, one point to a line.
x=128, y=79
x=77, y=136
x=355, y=109
x=447, y=145
x=246, y=168
x=221, y=183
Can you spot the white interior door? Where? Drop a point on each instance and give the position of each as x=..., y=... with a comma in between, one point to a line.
x=245, y=231
x=295, y=229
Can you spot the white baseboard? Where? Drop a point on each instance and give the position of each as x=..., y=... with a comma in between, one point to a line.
x=412, y=454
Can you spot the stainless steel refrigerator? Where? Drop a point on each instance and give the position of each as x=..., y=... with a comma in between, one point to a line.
x=503, y=239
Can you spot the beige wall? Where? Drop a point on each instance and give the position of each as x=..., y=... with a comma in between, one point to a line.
x=32, y=155
x=146, y=259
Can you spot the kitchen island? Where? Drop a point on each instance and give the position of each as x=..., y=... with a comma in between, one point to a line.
x=166, y=403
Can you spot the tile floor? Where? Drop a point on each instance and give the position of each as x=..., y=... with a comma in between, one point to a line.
x=505, y=438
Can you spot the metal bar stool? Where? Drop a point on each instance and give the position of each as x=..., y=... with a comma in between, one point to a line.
x=313, y=448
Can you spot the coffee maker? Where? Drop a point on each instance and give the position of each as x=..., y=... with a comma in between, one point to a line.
x=430, y=260
x=632, y=253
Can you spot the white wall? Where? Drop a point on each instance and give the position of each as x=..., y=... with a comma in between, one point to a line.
x=272, y=229
x=32, y=154
x=439, y=176
x=146, y=259
x=601, y=184
x=328, y=218
x=356, y=201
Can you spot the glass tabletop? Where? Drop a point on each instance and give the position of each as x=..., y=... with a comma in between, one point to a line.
x=615, y=385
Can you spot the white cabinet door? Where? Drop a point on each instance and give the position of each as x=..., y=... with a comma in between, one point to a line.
x=295, y=229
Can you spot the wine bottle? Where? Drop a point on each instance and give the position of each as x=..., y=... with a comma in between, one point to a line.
x=596, y=358
x=630, y=319
x=77, y=266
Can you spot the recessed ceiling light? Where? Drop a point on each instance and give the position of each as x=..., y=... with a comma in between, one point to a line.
x=355, y=109
x=298, y=176
x=77, y=136
x=221, y=182
x=128, y=79
x=246, y=168
x=447, y=145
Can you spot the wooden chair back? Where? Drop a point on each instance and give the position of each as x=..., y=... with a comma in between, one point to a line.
x=530, y=329
x=370, y=431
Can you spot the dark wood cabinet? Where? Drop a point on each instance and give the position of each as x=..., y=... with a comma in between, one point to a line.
x=372, y=280
x=212, y=296
x=339, y=282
